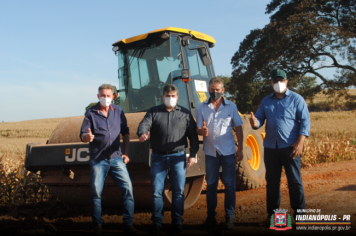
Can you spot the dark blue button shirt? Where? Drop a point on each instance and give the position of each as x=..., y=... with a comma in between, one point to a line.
x=287, y=119
x=106, y=143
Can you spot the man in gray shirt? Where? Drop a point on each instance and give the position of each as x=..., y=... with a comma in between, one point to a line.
x=169, y=125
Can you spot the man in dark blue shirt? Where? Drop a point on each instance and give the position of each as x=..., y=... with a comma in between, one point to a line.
x=287, y=126
x=102, y=126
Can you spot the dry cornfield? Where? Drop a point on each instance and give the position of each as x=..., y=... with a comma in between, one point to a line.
x=322, y=98
x=332, y=138
x=19, y=186
x=334, y=127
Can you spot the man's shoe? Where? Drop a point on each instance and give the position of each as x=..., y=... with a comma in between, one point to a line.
x=266, y=222
x=98, y=229
x=177, y=228
x=229, y=223
x=130, y=229
x=155, y=229
x=209, y=223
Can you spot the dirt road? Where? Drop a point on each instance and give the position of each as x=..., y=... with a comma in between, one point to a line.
x=329, y=187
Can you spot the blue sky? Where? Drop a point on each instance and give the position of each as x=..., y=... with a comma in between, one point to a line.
x=55, y=54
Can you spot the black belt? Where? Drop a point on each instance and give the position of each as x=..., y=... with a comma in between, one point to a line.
x=169, y=152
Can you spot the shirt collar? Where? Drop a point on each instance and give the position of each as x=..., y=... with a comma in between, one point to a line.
x=163, y=107
x=209, y=101
x=97, y=108
x=286, y=94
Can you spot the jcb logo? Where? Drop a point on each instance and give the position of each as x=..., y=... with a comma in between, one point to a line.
x=77, y=155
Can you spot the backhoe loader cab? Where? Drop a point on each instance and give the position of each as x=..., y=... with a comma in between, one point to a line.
x=150, y=61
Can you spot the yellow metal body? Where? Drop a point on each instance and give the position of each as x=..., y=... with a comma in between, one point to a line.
x=255, y=149
x=196, y=34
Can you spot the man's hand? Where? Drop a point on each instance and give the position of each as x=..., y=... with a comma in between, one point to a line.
x=204, y=130
x=89, y=137
x=253, y=121
x=239, y=155
x=298, y=147
x=126, y=158
x=144, y=137
x=190, y=162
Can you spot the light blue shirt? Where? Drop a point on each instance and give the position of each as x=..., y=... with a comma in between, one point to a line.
x=220, y=138
x=287, y=119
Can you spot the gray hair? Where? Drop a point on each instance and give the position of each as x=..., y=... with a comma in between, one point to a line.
x=217, y=80
x=106, y=86
x=170, y=88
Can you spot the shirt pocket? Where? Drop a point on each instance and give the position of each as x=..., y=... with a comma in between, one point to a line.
x=100, y=132
x=289, y=113
x=225, y=125
x=269, y=111
x=100, y=124
x=181, y=123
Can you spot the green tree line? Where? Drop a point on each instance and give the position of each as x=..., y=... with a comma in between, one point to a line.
x=303, y=37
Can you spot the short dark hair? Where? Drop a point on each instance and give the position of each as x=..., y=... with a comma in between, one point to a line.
x=170, y=88
x=217, y=80
x=106, y=86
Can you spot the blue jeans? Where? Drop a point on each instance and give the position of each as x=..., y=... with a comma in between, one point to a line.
x=117, y=170
x=175, y=166
x=212, y=165
x=274, y=160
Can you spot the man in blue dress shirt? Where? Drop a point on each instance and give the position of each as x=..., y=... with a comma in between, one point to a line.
x=287, y=126
x=216, y=118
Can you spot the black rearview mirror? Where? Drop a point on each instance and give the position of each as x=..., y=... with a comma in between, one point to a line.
x=204, y=54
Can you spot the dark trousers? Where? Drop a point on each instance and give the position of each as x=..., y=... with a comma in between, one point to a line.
x=274, y=160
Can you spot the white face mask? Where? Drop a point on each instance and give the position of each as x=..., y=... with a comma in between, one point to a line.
x=105, y=102
x=170, y=102
x=279, y=87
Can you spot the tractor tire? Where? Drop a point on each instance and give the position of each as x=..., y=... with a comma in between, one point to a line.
x=251, y=171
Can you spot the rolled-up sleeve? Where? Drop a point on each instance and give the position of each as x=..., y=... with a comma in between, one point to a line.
x=145, y=124
x=260, y=116
x=199, y=115
x=236, y=118
x=192, y=135
x=124, y=128
x=303, y=117
x=86, y=124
